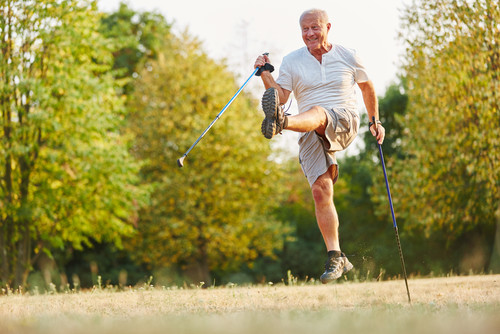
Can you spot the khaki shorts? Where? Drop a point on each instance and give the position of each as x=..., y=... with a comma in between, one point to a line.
x=315, y=154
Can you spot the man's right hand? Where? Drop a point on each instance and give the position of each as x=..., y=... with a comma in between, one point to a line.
x=261, y=61
x=268, y=80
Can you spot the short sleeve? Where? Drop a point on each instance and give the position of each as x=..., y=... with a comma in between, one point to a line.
x=360, y=72
x=285, y=76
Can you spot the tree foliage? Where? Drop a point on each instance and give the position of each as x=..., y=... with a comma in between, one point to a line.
x=84, y=96
x=66, y=174
x=213, y=215
x=449, y=181
x=136, y=39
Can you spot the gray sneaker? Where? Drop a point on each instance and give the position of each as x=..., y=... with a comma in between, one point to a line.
x=275, y=117
x=335, y=267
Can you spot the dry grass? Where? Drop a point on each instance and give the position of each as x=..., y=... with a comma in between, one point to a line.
x=467, y=304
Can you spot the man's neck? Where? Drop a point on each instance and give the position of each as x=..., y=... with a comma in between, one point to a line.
x=319, y=52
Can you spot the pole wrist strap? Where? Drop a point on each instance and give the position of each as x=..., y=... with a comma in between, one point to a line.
x=266, y=67
x=371, y=123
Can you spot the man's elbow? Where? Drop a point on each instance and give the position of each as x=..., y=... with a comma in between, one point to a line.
x=366, y=85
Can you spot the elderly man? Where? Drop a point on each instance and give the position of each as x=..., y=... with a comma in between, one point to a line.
x=322, y=76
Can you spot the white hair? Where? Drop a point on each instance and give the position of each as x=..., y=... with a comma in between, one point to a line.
x=323, y=16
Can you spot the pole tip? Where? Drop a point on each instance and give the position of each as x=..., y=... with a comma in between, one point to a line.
x=180, y=162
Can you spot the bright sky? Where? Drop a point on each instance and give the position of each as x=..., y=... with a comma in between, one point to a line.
x=241, y=30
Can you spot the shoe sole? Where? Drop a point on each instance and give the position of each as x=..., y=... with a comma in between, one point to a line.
x=325, y=279
x=268, y=127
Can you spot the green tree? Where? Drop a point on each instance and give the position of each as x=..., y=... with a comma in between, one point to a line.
x=66, y=172
x=213, y=215
x=392, y=107
x=448, y=184
x=136, y=40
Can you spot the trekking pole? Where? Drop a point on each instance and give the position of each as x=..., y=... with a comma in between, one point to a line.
x=180, y=161
x=393, y=216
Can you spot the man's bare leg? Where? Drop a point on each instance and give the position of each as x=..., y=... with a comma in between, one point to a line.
x=326, y=214
x=328, y=222
x=313, y=119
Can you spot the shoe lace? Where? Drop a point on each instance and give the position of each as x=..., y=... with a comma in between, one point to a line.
x=332, y=263
x=280, y=125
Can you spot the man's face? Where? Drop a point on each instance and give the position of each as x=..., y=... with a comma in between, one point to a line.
x=314, y=32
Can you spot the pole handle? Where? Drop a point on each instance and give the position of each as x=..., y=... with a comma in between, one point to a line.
x=376, y=127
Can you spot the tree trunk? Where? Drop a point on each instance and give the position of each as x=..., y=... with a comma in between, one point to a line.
x=23, y=264
x=495, y=256
x=4, y=268
x=204, y=271
x=6, y=223
x=198, y=271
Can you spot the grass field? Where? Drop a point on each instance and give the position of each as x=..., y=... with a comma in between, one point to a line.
x=464, y=304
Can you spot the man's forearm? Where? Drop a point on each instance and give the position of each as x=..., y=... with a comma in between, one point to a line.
x=370, y=99
x=268, y=80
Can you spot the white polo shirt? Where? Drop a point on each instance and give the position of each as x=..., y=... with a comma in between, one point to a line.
x=329, y=84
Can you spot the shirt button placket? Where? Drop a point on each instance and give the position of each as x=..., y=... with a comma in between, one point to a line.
x=323, y=69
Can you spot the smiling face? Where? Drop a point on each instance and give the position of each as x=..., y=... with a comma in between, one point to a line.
x=315, y=30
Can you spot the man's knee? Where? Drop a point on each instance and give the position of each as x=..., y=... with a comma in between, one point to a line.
x=320, y=111
x=321, y=118
x=322, y=191
x=322, y=188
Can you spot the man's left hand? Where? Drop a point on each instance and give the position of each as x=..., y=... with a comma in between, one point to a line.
x=378, y=131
